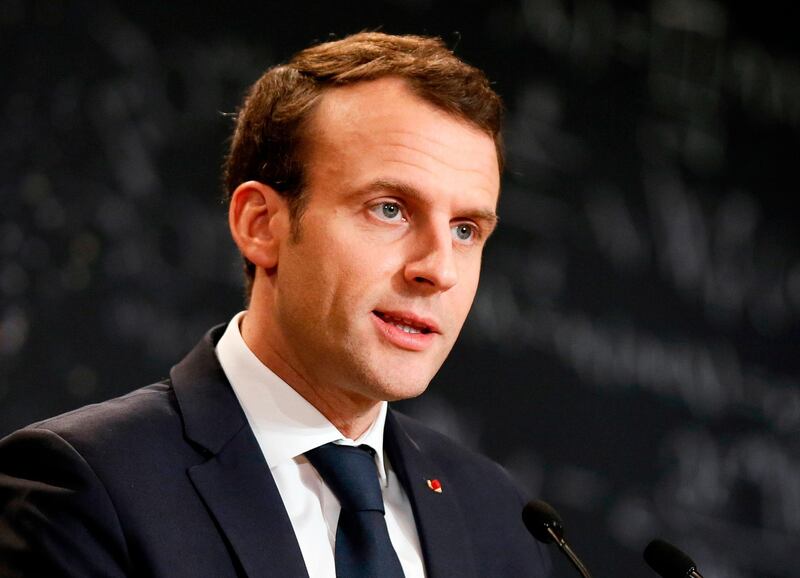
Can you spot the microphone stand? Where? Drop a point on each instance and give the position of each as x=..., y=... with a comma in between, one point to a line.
x=562, y=544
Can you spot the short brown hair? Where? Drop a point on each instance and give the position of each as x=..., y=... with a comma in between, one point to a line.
x=267, y=142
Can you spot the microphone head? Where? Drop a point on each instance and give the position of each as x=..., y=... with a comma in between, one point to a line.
x=538, y=517
x=667, y=560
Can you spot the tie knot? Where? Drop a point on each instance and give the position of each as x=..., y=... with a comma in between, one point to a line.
x=351, y=475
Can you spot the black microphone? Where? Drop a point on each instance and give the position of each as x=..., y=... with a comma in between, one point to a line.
x=669, y=562
x=546, y=526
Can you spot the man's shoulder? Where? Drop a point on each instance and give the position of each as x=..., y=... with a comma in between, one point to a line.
x=488, y=501
x=139, y=410
x=474, y=468
x=152, y=416
x=432, y=440
x=130, y=427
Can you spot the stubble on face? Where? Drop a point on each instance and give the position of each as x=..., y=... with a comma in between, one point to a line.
x=342, y=262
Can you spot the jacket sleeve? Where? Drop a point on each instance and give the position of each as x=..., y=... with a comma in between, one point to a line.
x=56, y=517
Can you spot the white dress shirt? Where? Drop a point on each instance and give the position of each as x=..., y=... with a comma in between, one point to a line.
x=286, y=426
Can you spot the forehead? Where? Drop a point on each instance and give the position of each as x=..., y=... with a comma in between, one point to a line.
x=382, y=125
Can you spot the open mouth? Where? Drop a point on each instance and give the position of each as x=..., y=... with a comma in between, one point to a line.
x=404, y=324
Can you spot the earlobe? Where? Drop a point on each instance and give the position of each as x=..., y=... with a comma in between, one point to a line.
x=257, y=216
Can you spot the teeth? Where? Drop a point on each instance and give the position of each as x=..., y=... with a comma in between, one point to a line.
x=401, y=325
x=406, y=328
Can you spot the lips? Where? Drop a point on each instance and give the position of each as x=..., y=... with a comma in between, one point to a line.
x=405, y=330
x=407, y=323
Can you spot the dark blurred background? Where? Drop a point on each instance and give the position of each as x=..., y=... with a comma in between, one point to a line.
x=632, y=356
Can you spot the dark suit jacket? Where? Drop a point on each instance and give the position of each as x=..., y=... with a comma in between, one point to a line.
x=169, y=481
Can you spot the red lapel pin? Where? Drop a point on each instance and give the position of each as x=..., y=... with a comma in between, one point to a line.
x=435, y=485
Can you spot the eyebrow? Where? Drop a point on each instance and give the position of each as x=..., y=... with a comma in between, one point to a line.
x=406, y=190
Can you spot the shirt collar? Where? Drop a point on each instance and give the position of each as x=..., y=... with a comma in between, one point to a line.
x=284, y=423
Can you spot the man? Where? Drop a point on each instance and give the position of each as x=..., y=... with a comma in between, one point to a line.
x=363, y=179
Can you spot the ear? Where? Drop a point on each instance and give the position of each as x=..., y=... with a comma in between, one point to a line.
x=259, y=220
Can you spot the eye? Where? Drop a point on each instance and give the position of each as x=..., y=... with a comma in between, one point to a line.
x=465, y=233
x=388, y=211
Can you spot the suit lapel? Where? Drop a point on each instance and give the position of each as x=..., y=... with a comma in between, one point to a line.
x=235, y=482
x=446, y=546
x=241, y=494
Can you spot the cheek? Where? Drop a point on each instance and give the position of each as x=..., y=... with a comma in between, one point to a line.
x=340, y=270
x=467, y=287
x=464, y=303
x=368, y=254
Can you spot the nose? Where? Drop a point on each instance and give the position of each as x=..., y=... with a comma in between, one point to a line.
x=433, y=264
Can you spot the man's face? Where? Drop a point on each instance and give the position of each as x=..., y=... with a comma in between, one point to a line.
x=371, y=295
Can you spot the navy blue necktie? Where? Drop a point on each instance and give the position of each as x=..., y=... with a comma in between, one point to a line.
x=363, y=548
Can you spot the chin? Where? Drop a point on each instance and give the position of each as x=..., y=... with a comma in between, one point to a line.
x=400, y=394
x=403, y=387
x=406, y=378
x=390, y=387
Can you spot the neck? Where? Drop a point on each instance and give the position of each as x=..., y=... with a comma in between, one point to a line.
x=351, y=413
x=351, y=417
